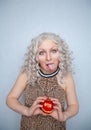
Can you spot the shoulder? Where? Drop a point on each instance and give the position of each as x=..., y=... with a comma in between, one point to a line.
x=66, y=81
x=69, y=81
x=68, y=76
x=23, y=76
x=19, y=86
x=22, y=79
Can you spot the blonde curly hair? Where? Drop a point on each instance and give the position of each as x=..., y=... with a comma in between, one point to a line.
x=31, y=64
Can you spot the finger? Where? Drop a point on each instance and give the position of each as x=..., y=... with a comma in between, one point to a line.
x=38, y=101
x=57, y=108
x=54, y=100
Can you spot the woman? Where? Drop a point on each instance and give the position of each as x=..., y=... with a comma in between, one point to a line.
x=46, y=74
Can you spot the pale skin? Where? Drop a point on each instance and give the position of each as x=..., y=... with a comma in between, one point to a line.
x=48, y=57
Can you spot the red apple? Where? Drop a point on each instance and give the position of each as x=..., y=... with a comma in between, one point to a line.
x=47, y=106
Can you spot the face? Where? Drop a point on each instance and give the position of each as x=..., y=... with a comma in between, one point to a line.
x=48, y=56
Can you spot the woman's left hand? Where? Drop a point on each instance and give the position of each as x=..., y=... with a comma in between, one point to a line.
x=57, y=110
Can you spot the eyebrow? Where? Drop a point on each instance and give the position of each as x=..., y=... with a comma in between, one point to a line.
x=55, y=47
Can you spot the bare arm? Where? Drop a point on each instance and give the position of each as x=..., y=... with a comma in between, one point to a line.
x=72, y=102
x=13, y=97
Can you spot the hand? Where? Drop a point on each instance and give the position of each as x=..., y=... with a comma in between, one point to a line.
x=35, y=109
x=57, y=111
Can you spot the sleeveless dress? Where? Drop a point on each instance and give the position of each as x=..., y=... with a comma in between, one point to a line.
x=44, y=87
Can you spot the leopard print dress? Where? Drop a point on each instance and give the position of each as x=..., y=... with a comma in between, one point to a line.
x=44, y=87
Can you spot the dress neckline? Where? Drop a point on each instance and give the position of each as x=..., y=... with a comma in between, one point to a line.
x=41, y=73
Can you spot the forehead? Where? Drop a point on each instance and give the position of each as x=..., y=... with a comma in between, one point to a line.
x=47, y=44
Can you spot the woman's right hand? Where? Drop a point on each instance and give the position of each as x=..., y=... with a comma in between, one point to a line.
x=35, y=109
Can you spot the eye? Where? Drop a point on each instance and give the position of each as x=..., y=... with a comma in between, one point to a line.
x=54, y=51
x=41, y=53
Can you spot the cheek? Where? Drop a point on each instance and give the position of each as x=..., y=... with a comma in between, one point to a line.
x=57, y=61
x=56, y=58
x=41, y=61
x=41, y=64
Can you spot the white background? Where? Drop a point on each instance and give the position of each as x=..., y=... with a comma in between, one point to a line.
x=21, y=20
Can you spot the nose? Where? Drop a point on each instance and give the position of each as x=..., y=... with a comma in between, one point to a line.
x=48, y=56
